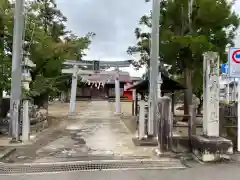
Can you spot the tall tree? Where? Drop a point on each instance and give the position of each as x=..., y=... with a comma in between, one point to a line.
x=213, y=27
x=6, y=20
x=48, y=43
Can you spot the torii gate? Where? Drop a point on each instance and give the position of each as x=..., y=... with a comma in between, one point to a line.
x=97, y=66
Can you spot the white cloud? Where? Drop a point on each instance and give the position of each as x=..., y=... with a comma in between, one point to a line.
x=113, y=21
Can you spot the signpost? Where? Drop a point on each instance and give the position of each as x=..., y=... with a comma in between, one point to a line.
x=224, y=75
x=234, y=71
x=224, y=68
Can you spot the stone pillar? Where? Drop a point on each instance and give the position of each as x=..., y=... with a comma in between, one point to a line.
x=209, y=146
x=211, y=94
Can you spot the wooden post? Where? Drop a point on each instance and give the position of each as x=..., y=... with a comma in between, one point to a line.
x=136, y=104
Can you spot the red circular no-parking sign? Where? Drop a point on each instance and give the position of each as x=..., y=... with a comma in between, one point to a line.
x=236, y=60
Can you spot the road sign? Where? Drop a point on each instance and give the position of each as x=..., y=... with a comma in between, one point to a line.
x=234, y=62
x=224, y=68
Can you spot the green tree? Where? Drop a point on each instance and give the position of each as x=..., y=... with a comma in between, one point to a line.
x=6, y=19
x=213, y=27
x=48, y=43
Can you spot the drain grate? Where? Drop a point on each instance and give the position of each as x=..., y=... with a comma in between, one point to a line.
x=89, y=166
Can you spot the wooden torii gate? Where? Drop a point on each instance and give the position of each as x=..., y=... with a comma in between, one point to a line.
x=98, y=68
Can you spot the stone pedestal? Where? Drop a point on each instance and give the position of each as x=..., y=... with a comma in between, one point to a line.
x=209, y=149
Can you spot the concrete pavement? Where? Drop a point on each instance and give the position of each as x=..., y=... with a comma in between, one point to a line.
x=93, y=133
x=97, y=134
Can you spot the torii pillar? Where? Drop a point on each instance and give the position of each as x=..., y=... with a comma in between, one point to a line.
x=117, y=94
x=72, y=104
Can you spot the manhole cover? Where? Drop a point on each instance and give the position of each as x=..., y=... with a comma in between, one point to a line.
x=89, y=166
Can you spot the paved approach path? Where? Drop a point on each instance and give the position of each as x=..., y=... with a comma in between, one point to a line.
x=97, y=134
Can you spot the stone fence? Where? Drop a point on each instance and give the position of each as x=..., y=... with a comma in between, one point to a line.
x=228, y=121
x=38, y=117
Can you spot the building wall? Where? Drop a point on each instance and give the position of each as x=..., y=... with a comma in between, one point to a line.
x=111, y=92
x=128, y=94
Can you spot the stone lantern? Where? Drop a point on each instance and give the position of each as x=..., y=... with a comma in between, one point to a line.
x=27, y=65
x=26, y=76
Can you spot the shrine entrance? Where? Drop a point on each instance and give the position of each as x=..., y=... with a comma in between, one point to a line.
x=98, y=93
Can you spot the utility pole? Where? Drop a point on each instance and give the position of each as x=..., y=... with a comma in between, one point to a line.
x=17, y=68
x=154, y=68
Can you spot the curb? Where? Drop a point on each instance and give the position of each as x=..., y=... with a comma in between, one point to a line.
x=7, y=152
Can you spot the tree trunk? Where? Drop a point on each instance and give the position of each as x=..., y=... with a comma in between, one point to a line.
x=187, y=91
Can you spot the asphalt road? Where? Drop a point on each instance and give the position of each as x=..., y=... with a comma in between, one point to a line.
x=206, y=172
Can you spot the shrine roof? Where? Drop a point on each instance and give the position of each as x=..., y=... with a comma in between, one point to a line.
x=108, y=78
x=168, y=85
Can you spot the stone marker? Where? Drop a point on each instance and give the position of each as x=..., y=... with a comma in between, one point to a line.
x=209, y=146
